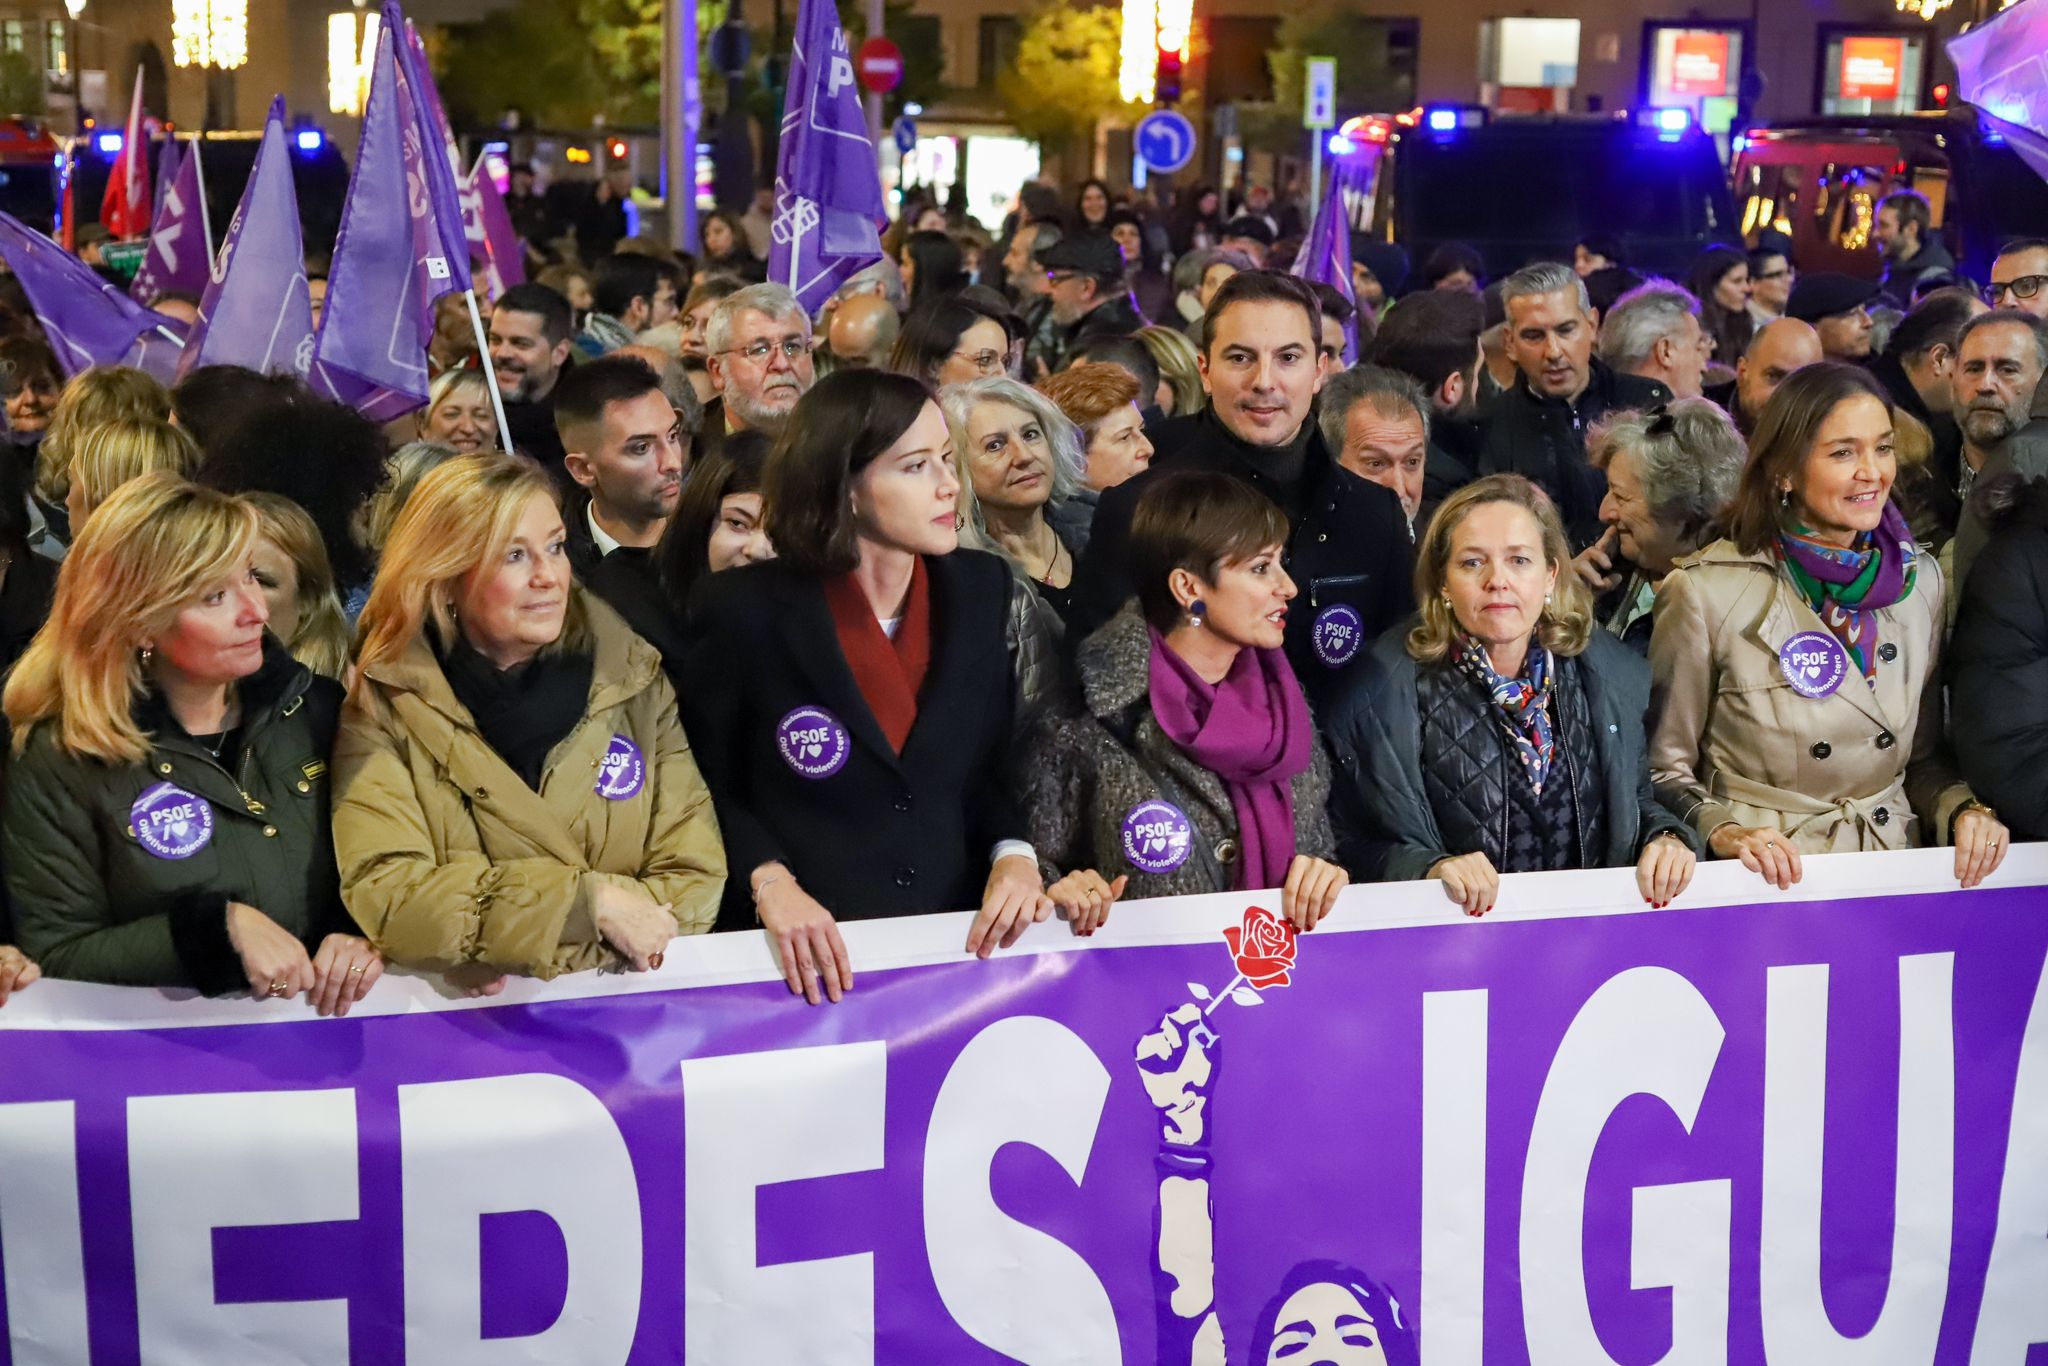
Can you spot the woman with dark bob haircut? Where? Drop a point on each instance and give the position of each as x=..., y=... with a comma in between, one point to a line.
x=1504, y=733
x=932, y=267
x=1190, y=764
x=1799, y=659
x=956, y=339
x=853, y=700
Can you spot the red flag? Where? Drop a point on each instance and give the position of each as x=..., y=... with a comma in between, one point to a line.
x=125, y=209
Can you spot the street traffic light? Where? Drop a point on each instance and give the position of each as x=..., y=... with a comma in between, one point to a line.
x=1166, y=79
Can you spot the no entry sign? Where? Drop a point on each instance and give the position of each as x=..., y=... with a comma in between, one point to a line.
x=880, y=64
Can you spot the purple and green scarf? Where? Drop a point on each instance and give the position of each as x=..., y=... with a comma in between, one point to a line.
x=1521, y=704
x=1848, y=588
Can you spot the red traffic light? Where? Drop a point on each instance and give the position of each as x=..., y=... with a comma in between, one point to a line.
x=616, y=149
x=1941, y=93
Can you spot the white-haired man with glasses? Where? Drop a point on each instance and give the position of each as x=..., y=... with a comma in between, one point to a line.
x=758, y=353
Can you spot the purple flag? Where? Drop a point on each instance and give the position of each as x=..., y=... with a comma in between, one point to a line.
x=180, y=248
x=492, y=238
x=256, y=311
x=2000, y=69
x=88, y=320
x=1325, y=257
x=390, y=264
x=828, y=200
x=443, y=173
x=166, y=171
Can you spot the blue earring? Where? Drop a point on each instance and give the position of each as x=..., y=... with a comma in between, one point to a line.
x=1196, y=610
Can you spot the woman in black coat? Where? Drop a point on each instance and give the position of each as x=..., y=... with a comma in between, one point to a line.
x=1505, y=733
x=851, y=703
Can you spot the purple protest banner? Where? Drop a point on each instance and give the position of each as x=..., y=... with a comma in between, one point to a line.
x=88, y=320
x=1795, y=1128
x=828, y=198
x=2002, y=68
x=1325, y=256
x=389, y=260
x=256, y=311
x=180, y=255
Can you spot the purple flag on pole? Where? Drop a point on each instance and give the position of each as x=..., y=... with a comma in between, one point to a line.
x=256, y=311
x=492, y=239
x=390, y=261
x=88, y=320
x=166, y=171
x=2001, y=69
x=443, y=173
x=1325, y=257
x=828, y=199
x=180, y=255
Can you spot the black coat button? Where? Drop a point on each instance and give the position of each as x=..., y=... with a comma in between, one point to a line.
x=1881, y=816
x=1821, y=749
x=1885, y=739
x=905, y=876
x=1887, y=652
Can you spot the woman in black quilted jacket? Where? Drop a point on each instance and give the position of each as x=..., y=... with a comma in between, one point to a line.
x=1503, y=733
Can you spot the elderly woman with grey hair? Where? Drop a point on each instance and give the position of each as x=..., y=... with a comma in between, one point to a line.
x=1670, y=472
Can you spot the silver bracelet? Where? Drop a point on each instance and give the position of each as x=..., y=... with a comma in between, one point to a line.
x=765, y=883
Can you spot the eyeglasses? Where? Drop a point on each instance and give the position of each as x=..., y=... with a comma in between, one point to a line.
x=1781, y=273
x=984, y=362
x=793, y=349
x=1057, y=277
x=2025, y=287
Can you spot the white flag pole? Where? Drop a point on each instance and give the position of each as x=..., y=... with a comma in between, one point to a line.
x=483, y=350
x=205, y=214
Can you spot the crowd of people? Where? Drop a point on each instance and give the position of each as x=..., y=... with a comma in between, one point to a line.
x=1039, y=570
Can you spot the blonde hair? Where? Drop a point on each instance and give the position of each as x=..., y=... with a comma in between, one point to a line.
x=321, y=640
x=462, y=515
x=446, y=383
x=1179, y=365
x=112, y=453
x=149, y=551
x=100, y=394
x=403, y=471
x=1566, y=625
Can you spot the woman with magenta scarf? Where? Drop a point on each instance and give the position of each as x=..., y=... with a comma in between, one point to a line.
x=1188, y=762
x=1504, y=733
x=1799, y=659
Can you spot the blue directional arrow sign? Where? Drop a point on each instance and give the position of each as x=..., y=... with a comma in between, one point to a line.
x=1166, y=140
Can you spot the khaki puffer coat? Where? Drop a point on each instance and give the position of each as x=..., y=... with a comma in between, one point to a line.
x=448, y=858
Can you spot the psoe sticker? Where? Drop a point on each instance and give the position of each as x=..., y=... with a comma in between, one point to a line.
x=813, y=742
x=1814, y=663
x=1157, y=837
x=622, y=772
x=170, y=822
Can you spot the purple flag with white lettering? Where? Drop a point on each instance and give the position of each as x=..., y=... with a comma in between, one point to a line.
x=443, y=173
x=828, y=199
x=256, y=312
x=88, y=320
x=492, y=239
x=180, y=255
x=390, y=264
x=1325, y=257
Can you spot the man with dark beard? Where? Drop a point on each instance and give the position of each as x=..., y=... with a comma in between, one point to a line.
x=2000, y=358
x=530, y=342
x=758, y=353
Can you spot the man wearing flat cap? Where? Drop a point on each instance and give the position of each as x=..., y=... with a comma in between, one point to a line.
x=1090, y=297
x=1838, y=306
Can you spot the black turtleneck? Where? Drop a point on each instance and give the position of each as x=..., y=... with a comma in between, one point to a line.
x=1280, y=472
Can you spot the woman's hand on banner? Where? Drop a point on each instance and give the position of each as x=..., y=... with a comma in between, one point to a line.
x=1084, y=899
x=1311, y=890
x=1665, y=869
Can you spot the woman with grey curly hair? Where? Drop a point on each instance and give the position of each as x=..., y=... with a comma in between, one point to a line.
x=1670, y=471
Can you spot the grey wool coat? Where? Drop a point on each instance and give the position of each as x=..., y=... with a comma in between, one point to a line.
x=1089, y=765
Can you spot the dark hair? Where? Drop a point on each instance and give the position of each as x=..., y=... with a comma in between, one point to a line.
x=1262, y=287
x=1199, y=521
x=1785, y=432
x=837, y=430
x=586, y=390
x=742, y=249
x=1937, y=320
x=213, y=399
x=23, y=359
x=1249, y=226
x=1604, y=245
x=1393, y=1325
x=940, y=268
x=1912, y=207
x=1605, y=286
x=1764, y=251
x=1448, y=259
x=933, y=330
x=1430, y=336
x=683, y=557
x=556, y=318
x=1333, y=302
x=2019, y=244
x=1126, y=353
x=618, y=280
x=1730, y=328
x=1040, y=203
x=17, y=474
x=1081, y=223
x=326, y=457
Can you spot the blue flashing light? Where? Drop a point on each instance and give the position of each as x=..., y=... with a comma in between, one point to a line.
x=107, y=144
x=1442, y=120
x=1340, y=145
x=310, y=140
x=1674, y=120
x=1738, y=144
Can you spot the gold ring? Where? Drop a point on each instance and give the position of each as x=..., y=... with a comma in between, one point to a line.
x=654, y=960
x=356, y=969
x=279, y=988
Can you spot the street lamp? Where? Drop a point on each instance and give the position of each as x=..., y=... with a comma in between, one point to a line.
x=212, y=35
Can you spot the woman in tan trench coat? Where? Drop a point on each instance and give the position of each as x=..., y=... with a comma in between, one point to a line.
x=1797, y=662
x=513, y=790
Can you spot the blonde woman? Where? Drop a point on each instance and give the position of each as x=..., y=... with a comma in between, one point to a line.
x=514, y=791
x=1504, y=733
x=298, y=585
x=112, y=453
x=100, y=394
x=1180, y=371
x=458, y=414
x=167, y=817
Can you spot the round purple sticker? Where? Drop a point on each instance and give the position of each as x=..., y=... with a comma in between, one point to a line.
x=813, y=742
x=1814, y=663
x=1157, y=837
x=171, y=822
x=622, y=772
x=1338, y=634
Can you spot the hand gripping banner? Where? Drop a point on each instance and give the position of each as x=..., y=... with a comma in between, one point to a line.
x=1801, y=1128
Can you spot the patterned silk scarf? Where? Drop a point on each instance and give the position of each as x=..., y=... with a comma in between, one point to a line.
x=1848, y=588
x=1522, y=704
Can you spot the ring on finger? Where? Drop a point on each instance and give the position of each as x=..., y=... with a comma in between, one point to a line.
x=357, y=970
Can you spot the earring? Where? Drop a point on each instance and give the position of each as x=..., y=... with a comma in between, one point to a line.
x=1196, y=613
x=1784, y=498
x=147, y=655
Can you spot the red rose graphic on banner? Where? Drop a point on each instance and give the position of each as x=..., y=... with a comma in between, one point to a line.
x=1263, y=947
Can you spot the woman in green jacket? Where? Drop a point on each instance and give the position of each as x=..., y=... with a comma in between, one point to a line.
x=167, y=813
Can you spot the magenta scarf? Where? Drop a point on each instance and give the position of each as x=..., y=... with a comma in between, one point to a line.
x=1252, y=731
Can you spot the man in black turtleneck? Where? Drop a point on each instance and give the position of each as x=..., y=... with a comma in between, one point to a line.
x=1348, y=550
